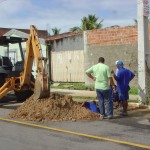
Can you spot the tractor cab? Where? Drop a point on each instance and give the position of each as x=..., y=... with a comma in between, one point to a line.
x=6, y=65
x=7, y=68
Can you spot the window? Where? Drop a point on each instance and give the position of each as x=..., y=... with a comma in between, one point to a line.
x=12, y=56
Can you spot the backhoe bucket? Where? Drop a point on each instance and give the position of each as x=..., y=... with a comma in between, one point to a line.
x=41, y=89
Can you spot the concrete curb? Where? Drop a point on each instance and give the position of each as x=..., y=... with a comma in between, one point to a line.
x=84, y=93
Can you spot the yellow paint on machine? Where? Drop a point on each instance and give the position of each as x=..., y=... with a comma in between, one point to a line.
x=77, y=133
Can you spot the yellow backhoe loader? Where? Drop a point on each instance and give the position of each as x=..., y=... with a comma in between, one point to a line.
x=22, y=82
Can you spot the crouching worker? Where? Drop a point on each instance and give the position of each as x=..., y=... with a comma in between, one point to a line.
x=115, y=96
x=123, y=77
x=101, y=74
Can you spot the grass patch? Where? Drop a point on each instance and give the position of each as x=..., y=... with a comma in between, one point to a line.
x=82, y=86
x=76, y=86
x=133, y=90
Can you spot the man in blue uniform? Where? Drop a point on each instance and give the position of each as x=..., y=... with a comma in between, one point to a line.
x=123, y=77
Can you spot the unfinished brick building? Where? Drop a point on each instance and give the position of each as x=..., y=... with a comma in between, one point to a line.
x=73, y=53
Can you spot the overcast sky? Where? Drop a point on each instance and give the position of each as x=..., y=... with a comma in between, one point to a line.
x=64, y=14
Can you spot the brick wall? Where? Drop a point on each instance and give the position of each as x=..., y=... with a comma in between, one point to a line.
x=113, y=36
x=118, y=43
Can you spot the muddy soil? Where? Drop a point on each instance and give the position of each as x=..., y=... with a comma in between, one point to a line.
x=55, y=108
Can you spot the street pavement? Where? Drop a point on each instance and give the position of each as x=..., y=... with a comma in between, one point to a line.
x=125, y=133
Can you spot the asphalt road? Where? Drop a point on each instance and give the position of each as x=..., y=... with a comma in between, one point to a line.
x=129, y=133
x=14, y=136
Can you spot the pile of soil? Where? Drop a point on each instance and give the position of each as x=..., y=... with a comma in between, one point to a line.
x=55, y=108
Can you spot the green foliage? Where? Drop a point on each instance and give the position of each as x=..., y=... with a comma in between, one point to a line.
x=75, y=29
x=82, y=86
x=76, y=86
x=56, y=31
x=88, y=23
x=133, y=90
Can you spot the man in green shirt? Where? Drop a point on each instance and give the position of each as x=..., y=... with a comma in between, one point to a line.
x=101, y=74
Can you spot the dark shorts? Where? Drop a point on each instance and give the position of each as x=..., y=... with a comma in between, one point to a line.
x=123, y=96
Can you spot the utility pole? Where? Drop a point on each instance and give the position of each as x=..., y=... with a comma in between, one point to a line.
x=143, y=52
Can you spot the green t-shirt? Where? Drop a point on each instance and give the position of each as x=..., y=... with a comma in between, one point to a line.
x=102, y=74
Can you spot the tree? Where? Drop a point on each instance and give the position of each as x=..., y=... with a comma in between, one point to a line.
x=56, y=31
x=88, y=23
x=75, y=29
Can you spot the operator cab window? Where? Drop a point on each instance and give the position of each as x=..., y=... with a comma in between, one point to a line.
x=6, y=61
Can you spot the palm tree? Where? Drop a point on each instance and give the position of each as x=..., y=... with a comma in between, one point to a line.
x=88, y=23
x=75, y=29
x=56, y=31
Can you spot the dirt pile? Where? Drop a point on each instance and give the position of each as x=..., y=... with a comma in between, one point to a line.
x=55, y=108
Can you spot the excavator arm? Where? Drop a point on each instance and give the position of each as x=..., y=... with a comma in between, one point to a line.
x=24, y=83
x=34, y=52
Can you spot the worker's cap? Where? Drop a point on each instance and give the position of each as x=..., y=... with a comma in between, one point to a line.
x=119, y=63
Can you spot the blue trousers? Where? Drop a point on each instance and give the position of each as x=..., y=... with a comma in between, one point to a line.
x=105, y=96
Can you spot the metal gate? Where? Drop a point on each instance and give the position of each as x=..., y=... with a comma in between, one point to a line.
x=67, y=66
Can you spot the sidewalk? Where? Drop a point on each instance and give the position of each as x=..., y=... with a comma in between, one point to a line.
x=84, y=93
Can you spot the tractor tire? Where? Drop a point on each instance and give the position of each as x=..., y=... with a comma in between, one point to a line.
x=23, y=95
